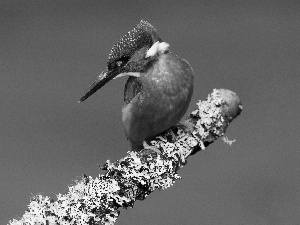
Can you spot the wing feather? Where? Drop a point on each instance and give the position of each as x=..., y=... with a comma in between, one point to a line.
x=133, y=86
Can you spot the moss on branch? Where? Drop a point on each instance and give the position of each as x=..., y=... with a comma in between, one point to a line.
x=134, y=177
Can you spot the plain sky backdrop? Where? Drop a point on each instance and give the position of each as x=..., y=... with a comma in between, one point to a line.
x=51, y=51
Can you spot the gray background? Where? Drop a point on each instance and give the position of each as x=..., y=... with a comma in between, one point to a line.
x=51, y=51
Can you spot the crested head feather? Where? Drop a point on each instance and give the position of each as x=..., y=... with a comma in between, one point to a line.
x=143, y=35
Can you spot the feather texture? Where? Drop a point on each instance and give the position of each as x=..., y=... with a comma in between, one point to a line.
x=144, y=35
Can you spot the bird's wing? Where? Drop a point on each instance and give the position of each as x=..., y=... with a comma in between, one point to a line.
x=132, y=87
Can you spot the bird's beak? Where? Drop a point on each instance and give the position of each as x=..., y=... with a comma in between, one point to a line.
x=101, y=80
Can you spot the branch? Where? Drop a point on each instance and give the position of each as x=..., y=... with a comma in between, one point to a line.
x=134, y=177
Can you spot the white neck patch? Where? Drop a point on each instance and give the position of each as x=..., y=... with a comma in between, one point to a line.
x=157, y=47
x=133, y=74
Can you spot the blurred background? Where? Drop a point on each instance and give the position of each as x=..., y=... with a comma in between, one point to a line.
x=51, y=51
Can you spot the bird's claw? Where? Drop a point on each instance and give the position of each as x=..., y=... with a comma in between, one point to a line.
x=152, y=148
x=171, y=132
x=187, y=127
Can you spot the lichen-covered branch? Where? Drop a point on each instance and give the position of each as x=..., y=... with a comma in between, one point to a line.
x=134, y=177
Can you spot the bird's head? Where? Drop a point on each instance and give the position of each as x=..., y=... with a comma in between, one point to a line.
x=133, y=54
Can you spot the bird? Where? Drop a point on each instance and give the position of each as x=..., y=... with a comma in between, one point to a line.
x=159, y=87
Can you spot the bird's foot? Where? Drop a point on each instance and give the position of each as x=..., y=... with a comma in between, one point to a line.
x=173, y=135
x=152, y=148
x=186, y=126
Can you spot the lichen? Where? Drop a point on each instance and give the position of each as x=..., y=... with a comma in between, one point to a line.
x=134, y=177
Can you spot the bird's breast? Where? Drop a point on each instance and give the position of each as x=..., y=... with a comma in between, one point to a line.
x=166, y=91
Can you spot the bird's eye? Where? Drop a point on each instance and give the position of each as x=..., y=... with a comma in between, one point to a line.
x=118, y=63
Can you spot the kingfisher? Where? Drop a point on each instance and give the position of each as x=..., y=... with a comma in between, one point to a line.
x=159, y=87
